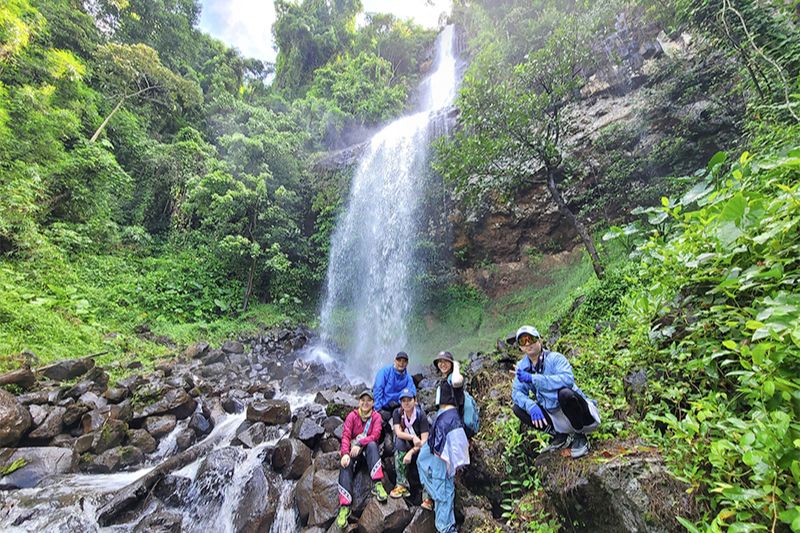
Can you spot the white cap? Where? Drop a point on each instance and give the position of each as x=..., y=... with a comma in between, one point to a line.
x=529, y=330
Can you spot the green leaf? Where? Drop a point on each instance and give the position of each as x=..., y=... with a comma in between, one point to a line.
x=729, y=344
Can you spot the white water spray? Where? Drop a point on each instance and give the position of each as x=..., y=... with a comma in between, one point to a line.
x=372, y=262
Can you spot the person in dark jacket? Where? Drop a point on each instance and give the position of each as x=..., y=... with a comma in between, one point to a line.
x=389, y=382
x=545, y=396
x=360, y=436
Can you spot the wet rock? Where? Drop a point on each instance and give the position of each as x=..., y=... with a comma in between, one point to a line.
x=196, y=350
x=627, y=494
x=331, y=423
x=341, y=404
x=68, y=369
x=328, y=461
x=110, y=435
x=185, y=438
x=142, y=440
x=62, y=441
x=424, y=521
x=256, y=510
x=175, y=402
x=158, y=426
x=173, y=490
x=200, y=424
x=291, y=458
x=317, y=497
x=232, y=405
x=163, y=521
x=391, y=516
x=253, y=435
x=15, y=419
x=216, y=472
x=115, y=459
x=37, y=464
x=307, y=431
x=269, y=412
x=51, y=426
x=38, y=414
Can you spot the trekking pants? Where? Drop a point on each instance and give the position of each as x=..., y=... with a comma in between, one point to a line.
x=373, y=461
x=574, y=407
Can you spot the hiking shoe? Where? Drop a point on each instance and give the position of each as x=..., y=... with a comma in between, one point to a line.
x=341, y=520
x=580, y=446
x=558, y=442
x=427, y=504
x=379, y=491
x=400, y=492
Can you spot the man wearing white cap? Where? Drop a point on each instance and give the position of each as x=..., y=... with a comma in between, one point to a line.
x=546, y=397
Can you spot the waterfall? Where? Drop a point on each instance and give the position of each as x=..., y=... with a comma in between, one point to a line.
x=372, y=265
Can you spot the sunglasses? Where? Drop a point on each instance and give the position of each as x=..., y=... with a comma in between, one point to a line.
x=527, y=340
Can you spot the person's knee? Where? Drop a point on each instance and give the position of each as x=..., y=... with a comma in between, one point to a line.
x=565, y=395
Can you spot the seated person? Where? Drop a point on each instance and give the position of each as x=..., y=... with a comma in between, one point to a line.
x=360, y=435
x=389, y=381
x=545, y=396
x=410, y=433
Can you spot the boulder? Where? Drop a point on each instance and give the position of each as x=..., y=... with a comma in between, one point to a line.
x=68, y=369
x=233, y=347
x=185, y=438
x=317, y=497
x=214, y=357
x=200, y=424
x=256, y=509
x=391, y=516
x=175, y=402
x=253, y=435
x=158, y=426
x=162, y=521
x=109, y=436
x=51, y=425
x=215, y=473
x=38, y=414
x=115, y=394
x=115, y=459
x=307, y=431
x=424, y=521
x=632, y=492
x=291, y=458
x=196, y=350
x=15, y=419
x=142, y=440
x=173, y=490
x=270, y=412
x=35, y=464
x=75, y=412
x=341, y=404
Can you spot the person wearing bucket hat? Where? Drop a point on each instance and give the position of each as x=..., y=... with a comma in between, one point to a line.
x=545, y=396
x=360, y=436
x=410, y=425
x=389, y=381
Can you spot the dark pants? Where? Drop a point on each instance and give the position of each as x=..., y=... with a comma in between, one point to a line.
x=574, y=406
x=373, y=461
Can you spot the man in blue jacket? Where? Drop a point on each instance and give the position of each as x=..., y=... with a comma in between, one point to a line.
x=546, y=397
x=389, y=383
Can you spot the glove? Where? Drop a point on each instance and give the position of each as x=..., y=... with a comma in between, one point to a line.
x=536, y=413
x=524, y=377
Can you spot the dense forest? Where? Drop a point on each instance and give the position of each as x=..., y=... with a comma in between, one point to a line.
x=157, y=188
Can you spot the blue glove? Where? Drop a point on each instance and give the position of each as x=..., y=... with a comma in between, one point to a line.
x=524, y=377
x=536, y=413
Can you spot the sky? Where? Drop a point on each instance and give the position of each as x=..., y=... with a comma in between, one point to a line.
x=247, y=24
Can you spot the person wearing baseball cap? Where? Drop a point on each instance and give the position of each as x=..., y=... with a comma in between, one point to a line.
x=389, y=381
x=410, y=425
x=360, y=436
x=545, y=396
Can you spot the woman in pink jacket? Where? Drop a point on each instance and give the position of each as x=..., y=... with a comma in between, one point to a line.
x=360, y=437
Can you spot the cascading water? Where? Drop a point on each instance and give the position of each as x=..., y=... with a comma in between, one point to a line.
x=372, y=262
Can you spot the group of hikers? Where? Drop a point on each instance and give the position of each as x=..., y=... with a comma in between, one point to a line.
x=544, y=397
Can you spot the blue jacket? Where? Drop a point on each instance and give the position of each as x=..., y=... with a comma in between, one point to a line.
x=389, y=383
x=556, y=374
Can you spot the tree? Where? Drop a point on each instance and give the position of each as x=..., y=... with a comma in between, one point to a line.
x=514, y=119
x=135, y=73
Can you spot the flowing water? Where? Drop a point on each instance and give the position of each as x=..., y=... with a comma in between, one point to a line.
x=373, y=264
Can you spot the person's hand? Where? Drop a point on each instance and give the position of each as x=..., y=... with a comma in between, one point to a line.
x=345, y=461
x=407, y=457
x=537, y=417
x=417, y=442
x=524, y=377
x=355, y=450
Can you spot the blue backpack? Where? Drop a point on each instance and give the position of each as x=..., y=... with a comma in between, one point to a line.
x=472, y=412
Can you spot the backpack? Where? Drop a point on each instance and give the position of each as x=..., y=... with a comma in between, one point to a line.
x=472, y=412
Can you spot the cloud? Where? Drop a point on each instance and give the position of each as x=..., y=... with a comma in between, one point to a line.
x=247, y=24
x=243, y=24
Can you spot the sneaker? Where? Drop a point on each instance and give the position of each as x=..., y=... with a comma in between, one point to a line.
x=580, y=446
x=341, y=520
x=379, y=491
x=427, y=504
x=400, y=492
x=558, y=442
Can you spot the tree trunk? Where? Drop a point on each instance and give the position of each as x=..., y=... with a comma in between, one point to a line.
x=22, y=377
x=249, y=289
x=587, y=239
x=105, y=122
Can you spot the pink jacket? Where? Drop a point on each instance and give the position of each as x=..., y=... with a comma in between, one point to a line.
x=354, y=428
